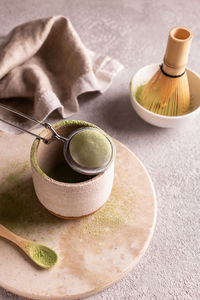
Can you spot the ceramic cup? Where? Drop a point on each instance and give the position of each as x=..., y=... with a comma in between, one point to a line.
x=143, y=76
x=61, y=190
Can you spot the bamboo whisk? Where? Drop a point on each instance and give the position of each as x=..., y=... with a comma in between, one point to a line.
x=167, y=92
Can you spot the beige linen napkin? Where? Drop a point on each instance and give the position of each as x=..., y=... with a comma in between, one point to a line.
x=44, y=66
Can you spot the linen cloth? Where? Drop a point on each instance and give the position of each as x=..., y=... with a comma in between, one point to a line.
x=44, y=66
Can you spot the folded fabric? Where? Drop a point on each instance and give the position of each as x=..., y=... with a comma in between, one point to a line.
x=44, y=66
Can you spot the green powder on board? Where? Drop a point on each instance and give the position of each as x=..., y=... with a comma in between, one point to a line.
x=20, y=210
x=117, y=211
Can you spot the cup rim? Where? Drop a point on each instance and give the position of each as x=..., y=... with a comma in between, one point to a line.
x=187, y=115
x=36, y=167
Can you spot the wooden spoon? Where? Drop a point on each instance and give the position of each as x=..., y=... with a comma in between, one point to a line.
x=43, y=256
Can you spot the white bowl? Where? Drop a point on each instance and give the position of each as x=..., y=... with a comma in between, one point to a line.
x=142, y=76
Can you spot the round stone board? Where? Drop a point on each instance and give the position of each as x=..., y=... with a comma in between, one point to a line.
x=94, y=251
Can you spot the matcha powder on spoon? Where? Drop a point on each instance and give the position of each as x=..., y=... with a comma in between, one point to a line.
x=42, y=255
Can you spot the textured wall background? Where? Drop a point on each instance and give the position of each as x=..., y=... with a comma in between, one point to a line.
x=135, y=33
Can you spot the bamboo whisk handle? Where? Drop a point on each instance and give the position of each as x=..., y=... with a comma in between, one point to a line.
x=176, y=54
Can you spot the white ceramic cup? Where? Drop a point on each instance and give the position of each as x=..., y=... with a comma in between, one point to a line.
x=143, y=76
x=67, y=200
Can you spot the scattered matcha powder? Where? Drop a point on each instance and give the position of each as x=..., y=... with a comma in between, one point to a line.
x=117, y=211
x=20, y=210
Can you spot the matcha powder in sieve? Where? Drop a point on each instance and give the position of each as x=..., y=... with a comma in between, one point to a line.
x=90, y=149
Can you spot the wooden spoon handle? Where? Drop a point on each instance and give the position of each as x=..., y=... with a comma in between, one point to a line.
x=35, y=251
x=9, y=235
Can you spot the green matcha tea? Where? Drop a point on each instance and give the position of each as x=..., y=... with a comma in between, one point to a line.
x=63, y=173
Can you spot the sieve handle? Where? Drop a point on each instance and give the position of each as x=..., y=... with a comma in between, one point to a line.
x=46, y=141
x=46, y=125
